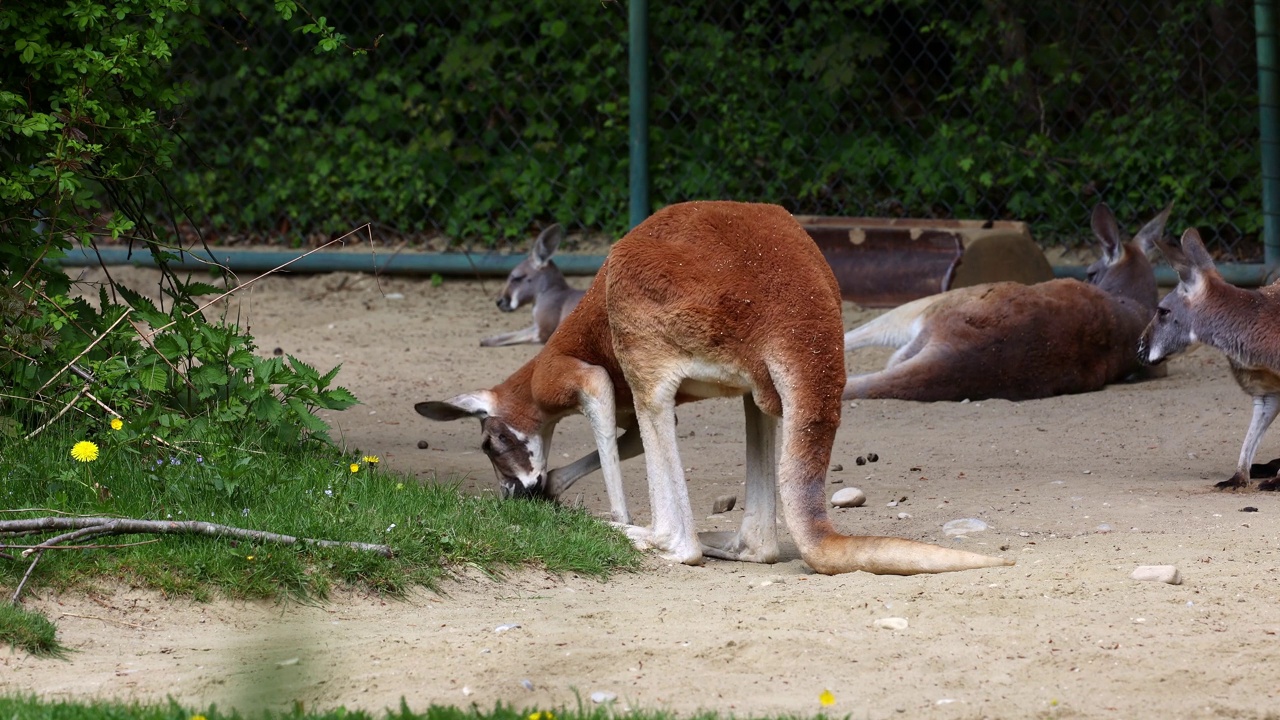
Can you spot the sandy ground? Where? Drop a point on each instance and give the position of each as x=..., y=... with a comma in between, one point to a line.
x=1079, y=490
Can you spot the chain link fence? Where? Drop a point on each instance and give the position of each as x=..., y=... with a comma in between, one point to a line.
x=474, y=124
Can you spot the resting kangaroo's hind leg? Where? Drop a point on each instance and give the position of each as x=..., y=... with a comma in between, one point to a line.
x=923, y=375
x=757, y=537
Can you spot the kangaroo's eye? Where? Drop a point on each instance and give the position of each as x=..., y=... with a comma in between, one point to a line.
x=1162, y=312
x=517, y=278
x=1091, y=275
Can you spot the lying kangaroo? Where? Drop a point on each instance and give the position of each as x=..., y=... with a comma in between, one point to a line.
x=701, y=300
x=1243, y=324
x=537, y=279
x=1014, y=341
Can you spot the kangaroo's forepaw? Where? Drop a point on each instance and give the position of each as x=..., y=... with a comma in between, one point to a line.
x=1239, y=481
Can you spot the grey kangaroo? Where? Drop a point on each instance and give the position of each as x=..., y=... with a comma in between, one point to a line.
x=1243, y=324
x=1017, y=342
x=537, y=279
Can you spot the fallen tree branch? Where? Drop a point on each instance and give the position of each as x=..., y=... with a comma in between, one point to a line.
x=127, y=526
x=70, y=547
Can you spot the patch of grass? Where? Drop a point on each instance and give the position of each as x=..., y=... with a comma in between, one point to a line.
x=29, y=631
x=33, y=709
x=308, y=491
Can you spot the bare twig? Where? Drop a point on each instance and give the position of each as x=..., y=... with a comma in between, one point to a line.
x=99, y=339
x=18, y=592
x=104, y=529
x=238, y=288
x=73, y=547
x=128, y=526
x=61, y=412
x=109, y=620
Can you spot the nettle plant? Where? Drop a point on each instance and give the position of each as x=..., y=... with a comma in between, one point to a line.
x=88, y=104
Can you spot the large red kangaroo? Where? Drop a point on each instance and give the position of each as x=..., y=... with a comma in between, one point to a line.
x=701, y=300
x=1243, y=324
x=1017, y=342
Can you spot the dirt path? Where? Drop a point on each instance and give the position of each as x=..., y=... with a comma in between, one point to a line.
x=1079, y=490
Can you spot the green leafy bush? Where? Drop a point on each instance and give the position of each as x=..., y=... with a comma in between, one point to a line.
x=482, y=119
x=87, y=103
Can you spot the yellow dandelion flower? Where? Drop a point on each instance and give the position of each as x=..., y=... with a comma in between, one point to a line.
x=355, y=467
x=248, y=557
x=198, y=717
x=371, y=459
x=84, y=451
x=826, y=699
x=542, y=715
x=116, y=423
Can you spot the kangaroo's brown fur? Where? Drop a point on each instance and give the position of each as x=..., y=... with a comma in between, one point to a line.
x=703, y=299
x=1017, y=342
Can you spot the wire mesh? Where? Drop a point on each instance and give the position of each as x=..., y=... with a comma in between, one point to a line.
x=476, y=123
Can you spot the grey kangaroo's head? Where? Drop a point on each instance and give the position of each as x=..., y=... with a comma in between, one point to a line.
x=517, y=456
x=535, y=273
x=1172, y=329
x=1124, y=269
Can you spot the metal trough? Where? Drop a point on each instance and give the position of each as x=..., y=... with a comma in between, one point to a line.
x=884, y=262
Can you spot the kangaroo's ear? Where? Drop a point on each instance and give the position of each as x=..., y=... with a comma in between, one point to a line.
x=1153, y=231
x=1107, y=230
x=1197, y=258
x=477, y=404
x=545, y=246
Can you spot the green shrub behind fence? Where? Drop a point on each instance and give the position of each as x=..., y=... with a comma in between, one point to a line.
x=482, y=121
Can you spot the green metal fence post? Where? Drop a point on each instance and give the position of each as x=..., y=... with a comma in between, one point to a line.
x=1269, y=129
x=638, y=31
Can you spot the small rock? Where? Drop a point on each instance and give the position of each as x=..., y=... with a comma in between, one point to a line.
x=466, y=691
x=964, y=526
x=892, y=623
x=394, y=296
x=505, y=627
x=859, y=460
x=724, y=504
x=849, y=497
x=423, y=445
x=1103, y=528
x=1248, y=508
x=1167, y=574
x=527, y=685
x=286, y=663
x=837, y=467
x=601, y=697
x=278, y=352
x=904, y=516
x=872, y=457
x=891, y=503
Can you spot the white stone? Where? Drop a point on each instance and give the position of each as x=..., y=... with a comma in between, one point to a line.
x=892, y=623
x=600, y=697
x=849, y=497
x=1167, y=574
x=963, y=526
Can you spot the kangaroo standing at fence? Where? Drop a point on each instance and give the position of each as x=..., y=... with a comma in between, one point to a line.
x=537, y=279
x=1243, y=324
x=1017, y=342
x=702, y=300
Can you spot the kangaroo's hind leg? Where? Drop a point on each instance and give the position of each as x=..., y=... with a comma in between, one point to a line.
x=757, y=538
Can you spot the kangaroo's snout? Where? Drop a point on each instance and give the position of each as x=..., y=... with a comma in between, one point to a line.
x=505, y=304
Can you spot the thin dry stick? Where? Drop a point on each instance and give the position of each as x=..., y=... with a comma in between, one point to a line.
x=104, y=529
x=128, y=526
x=238, y=288
x=76, y=547
x=99, y=339
x=95, y=617
x=61, y=412
x=18, y=592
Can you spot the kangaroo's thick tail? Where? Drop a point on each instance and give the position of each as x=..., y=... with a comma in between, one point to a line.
x=801, y=482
